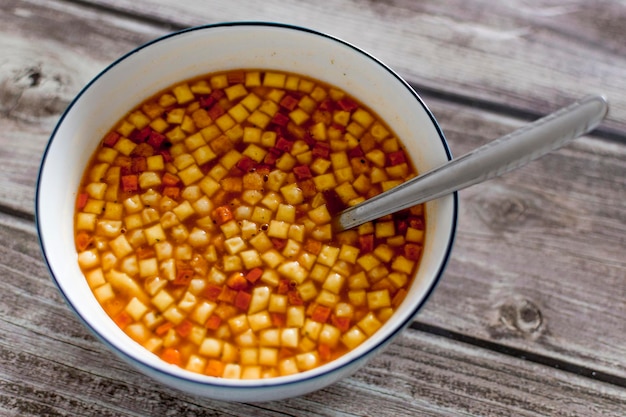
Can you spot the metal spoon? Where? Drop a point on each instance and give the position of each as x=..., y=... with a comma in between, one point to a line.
x=502, y=155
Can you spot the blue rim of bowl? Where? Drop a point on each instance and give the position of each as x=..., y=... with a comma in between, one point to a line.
x=265, y=383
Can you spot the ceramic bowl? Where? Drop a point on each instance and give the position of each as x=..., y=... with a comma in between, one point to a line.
x=201, y=50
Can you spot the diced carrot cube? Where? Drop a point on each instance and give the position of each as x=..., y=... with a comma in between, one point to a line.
x=366, y=243
x=212, y=292
x=83, y=240
x=236, y=77
x=222, y=214
x=138, y=164
x=242, y=300
x=163, y=328
x=184, y=328
x=324, y=352
x=283, y=286
x=327, y=105
x=294, y=298
x=246, y=164
x=111, y=139
x=416, y=223
x=172, y=355
x=342, y=323
x=171, y=192
x=213, y=322
x=140, y=136
x=284, y=352
x=170, y=180
x=123, y=319
x=284, y=145
x=144, y=252
x=398, y=298
x=412, y=251
x=214, y=368
x=321, y=313
x=278, y=319
x=313, y=246
x=237, y=281
x=167, y=156
x=183, y=276
x=254, y=274
x=227, y=295
x=130, y=183
x=308, y=187
x=81, y=201
x=279, y=244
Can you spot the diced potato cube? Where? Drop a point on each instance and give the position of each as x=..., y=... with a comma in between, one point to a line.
x=334, y=282
x=270, y=337
x=196, y=363
x=320, y=215
x=293, y=270
x=261, y=242
x=120, y=246
x=289, y=337
x=202, y=312
x=278, y=229
x=327, y=298
x=260, y=299
x=369, y=324
x=136, y=309
x=312, y=329
x=402, y=264
x=414, y=235
x=274, y=79
x=104, y=293
x=234, y=245
x=190, y=174
x=260, y=321
x=154, y=234
x=277, y=303
x=87, y=221
x=268, y=356
x=353, y=337
x=261, y=215
x=379, y=131
x=148, y=267
x=230, y=229
x=308, y=360
x=211, y=347
x=329, y=335
x=162, y=300
x=325, y=182
x=349, y=253
x=89, y=259
x=307, y=290
x=378, y=299
x=182, y=93
x=368, y=261
x=328, y=255
x=292, y=194
x=209, y=186
x=275, y=180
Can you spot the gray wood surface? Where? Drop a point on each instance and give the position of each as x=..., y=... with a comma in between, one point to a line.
x=529, y=318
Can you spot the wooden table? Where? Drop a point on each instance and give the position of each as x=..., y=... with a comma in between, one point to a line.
x=529, y=318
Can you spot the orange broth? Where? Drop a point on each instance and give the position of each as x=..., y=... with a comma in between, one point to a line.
x=203, y=224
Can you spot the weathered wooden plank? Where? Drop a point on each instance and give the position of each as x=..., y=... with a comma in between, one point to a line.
x=520, y=54
x=51, y=365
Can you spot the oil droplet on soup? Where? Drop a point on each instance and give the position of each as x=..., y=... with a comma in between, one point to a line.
x=202, y=224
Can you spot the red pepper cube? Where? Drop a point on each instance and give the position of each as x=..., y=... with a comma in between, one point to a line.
x=218, y=94
x=156, y=139
x=183, y=277
x=111, y=139
x=294, y=298
x=237, y=281
x=213, y=322
x=302, y=172
x=355, y=152
x=227, y=295
x=283, y=286
x=321, y=314
x=416, y=223
x=280, y=119
x=246, y=164
x=321, y=150
x=242, y=300
x=167, y=156
x=212, y=292
x=342, y=323
x=138, y=164
x=366, y=243
x=81, y=200
x=289, y=102
x=284, y=145
x=324, y=352
x=184, y=328
x=412, y=251
x=328, y=105
x=140, y=136
x=278, y=319
x=130, y=183
x=216, y=111
x=254, y=275
x=206, y=102
x=347, y=104
x=236, y=77
x=396, y=158
x=279, y=244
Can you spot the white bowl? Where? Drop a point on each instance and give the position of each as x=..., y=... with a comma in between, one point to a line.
x=193, y=52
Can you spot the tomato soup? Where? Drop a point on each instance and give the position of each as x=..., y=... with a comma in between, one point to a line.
x=203, y=224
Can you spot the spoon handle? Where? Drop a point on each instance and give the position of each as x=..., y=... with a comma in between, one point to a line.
x=491, y=160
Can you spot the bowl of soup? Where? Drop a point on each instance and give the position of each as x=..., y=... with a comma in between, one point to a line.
x=185, y=202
